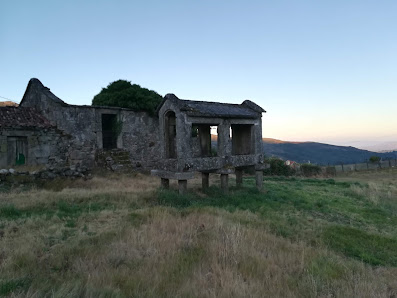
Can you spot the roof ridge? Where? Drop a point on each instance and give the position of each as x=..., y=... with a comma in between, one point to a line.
x=211, y=102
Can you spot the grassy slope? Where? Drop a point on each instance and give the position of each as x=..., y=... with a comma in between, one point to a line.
x=119, y=236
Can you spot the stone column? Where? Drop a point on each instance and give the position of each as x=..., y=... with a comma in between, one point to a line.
x=165, y=183
x=225, y=183
x=239, y=177
x=182, y=185
x=224, y=143
x=205, y=180
x=259, y=179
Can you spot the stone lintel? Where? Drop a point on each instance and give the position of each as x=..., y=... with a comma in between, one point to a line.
x=172, y=175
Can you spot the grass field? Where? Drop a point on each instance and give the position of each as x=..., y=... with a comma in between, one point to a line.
x=119, y=236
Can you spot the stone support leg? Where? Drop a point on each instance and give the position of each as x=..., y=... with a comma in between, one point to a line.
x=165, y=183
x=259, y=179
x=205, y=180
x=239, y=178
x=182, y=185
x=225, y=183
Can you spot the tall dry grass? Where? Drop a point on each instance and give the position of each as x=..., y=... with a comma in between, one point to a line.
x=133, y=248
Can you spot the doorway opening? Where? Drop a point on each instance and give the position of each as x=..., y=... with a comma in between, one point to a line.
x=17, y=148
x=109, y=134
x=170, y=134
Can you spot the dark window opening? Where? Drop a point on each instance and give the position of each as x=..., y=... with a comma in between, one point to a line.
x=17, y=148
x=170, y=135
x=207, y=137
x=109, y=134
x=242, y=141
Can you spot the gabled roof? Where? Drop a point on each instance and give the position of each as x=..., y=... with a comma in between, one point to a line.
x=194, y=108
x=20, y=117
x=36, y=86
x=216, y=109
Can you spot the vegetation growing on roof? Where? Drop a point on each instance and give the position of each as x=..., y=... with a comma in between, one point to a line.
x=123, y=94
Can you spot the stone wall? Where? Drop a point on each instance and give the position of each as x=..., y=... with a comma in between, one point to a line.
x=44, y=146
x=139, y=131
x=17, y=177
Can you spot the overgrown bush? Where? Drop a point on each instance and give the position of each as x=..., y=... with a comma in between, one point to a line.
x=374, y=159
x=123, y=94
x=278, y=167
x=308, y=170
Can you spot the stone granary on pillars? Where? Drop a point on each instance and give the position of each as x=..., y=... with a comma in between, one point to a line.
x=186, y=145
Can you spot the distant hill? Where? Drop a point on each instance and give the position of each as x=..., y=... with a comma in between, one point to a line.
x=275, y=141
x=8, y=104
x=319, y=153
x=383, y=147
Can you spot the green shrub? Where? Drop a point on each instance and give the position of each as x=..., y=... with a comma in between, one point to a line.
x=278, y=167
x=374, y=159
x=308, y=170
x=122, y=93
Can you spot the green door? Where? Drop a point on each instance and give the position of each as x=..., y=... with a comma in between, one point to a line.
x=17, y=150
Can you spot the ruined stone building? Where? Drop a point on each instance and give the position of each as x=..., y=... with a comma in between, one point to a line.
x=174, y=143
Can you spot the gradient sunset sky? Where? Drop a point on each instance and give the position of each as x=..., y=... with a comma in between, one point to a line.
x=324, y=70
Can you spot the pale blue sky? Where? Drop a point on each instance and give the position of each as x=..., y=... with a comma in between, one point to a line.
x=324, y=70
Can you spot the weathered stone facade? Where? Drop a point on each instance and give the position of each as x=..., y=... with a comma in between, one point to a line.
x=186, y=142
x=139, y=133
x=26, y=137
x=175, y=143
x=42, y=146
x=189, y=149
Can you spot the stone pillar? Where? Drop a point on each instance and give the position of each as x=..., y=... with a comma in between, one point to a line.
x=224, y=142
x=225, y=183
x=205, y=180
x=259, y=179
x=182, y=185
x=165, y=183
x=239, y=177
